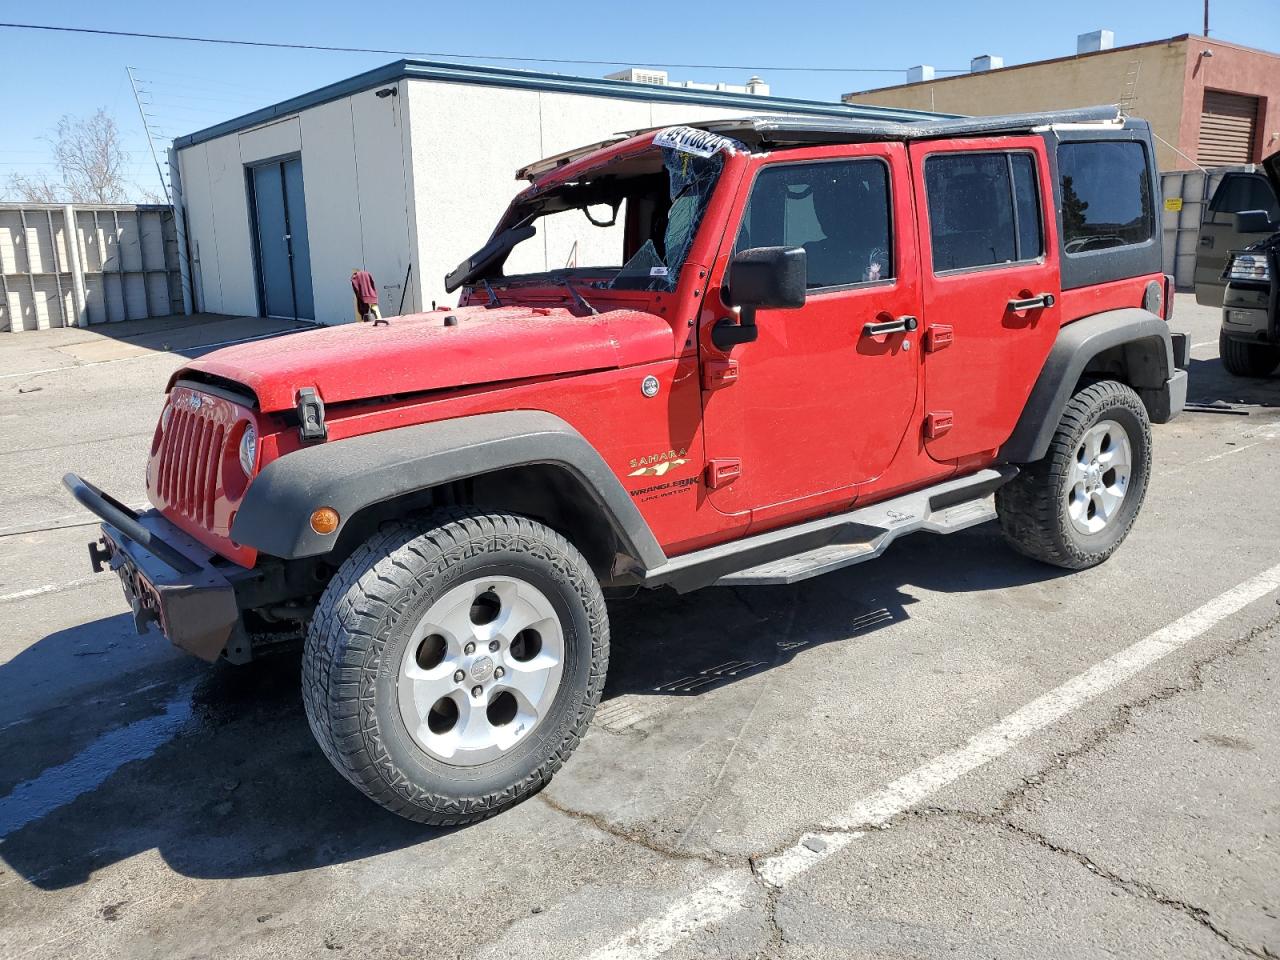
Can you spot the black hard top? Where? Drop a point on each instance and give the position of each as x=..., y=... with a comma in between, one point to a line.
x=793, y=131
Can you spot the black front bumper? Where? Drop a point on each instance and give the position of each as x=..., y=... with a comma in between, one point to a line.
x=168, y=578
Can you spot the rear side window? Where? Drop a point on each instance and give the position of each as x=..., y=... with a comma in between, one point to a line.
x=838, y=211
x=984, y=209
x=1106, y=195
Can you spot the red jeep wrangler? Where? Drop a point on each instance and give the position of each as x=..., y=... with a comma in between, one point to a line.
x=804, y=338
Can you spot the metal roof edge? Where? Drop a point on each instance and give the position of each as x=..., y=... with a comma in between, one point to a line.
x=442, y=72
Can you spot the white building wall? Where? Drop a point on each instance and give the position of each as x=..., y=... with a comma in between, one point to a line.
x=467, y=143
x=357, y=195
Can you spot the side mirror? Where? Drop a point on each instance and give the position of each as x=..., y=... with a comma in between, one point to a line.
x=1253, y=221
x=762, y=277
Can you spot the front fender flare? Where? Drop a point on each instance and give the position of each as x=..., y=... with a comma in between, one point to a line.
x=350, y=475
x=1149, y=359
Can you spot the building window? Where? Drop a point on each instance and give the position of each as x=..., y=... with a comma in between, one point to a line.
x=838, y=212
x=1106, y=195
x=984, y=209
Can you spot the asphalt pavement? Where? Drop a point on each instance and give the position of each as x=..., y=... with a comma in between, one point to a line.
x=951, y=751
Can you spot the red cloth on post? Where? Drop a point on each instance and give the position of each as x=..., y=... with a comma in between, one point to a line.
x=365, y=289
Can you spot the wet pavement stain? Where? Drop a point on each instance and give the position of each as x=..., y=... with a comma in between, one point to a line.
x=90, y=768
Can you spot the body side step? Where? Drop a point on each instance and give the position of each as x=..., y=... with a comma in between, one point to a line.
x=821, y=546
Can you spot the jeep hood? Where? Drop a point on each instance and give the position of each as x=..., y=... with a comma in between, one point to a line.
x=418, y=353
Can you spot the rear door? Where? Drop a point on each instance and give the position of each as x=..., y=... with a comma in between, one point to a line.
x=1218, y=234
x=991, y=286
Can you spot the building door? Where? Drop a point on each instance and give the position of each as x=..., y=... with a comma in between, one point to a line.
x=284, y=255
x=1227, y=125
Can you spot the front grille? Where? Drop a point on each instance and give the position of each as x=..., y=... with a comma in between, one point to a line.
x=187, y=475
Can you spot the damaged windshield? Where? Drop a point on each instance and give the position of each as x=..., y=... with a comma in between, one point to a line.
x=627, y=226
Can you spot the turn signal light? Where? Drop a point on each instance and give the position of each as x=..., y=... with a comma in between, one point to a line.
x=324, y=520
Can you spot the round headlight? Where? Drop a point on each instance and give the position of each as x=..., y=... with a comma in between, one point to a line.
x=165, y=416
x=248, y=450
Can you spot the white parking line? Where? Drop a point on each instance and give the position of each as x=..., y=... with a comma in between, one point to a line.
x=730, y=891
x=1204, y=343
x=50, y=588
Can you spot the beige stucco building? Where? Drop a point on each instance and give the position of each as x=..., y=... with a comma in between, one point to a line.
x=1208, y=102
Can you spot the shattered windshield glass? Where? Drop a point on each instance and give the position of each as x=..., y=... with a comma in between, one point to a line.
x=627, y=226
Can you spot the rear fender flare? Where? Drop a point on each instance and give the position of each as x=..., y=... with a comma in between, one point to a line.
x=1147, y=350
x=353, y=474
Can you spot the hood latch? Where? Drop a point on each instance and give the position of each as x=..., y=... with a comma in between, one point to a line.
x=311, y=426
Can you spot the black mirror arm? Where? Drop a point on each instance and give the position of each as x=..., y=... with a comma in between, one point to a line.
x=726, y=334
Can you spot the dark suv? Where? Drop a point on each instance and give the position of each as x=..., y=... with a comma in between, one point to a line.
x=783, y=344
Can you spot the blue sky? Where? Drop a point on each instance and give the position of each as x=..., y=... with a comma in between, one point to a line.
x=190, y=86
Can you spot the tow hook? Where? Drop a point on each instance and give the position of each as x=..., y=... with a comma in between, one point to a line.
x=99, y=555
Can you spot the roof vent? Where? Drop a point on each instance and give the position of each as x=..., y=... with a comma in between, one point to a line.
x=985, y=62
x=919, y=74
x=657, y=78
x=1093, y=42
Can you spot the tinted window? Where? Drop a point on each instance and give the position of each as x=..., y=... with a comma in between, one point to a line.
x=1248, y=191
x=839, y=213
x=984, y=209
x=1026, y=206
x=1106, y=195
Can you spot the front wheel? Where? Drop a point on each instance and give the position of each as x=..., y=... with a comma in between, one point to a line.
x=453, y=665
x=1245, y=359
x=1075, y=506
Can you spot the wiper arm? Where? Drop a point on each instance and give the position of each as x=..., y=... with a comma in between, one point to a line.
x=493, y=297
x=579, y=298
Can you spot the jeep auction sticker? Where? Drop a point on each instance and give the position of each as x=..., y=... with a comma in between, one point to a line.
x=700, y=143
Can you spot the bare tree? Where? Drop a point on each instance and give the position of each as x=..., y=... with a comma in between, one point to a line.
x=90, y=162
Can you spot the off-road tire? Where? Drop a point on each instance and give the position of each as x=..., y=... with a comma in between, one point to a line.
x=1033, y=506
x=361, y=629
x=1245, y=359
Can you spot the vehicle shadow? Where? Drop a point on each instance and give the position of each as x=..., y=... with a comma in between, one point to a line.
x=1209, y=383
x=665, y=644
x=215, y=767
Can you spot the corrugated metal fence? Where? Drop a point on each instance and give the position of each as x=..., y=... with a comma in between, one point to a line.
x=1182, y=225
x=122, y=264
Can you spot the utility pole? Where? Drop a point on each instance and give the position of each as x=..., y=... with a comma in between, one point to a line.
x=1206, y=17
x=164, y=185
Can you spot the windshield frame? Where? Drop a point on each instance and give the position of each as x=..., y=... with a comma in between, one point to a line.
x=523, y=213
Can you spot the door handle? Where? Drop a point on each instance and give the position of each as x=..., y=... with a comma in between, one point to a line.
x=1032, y=303
x=900, y=325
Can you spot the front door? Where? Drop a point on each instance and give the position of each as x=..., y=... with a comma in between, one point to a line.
x=991, y=286
x=1219, y=237
x=819, y=402
x=284, y=254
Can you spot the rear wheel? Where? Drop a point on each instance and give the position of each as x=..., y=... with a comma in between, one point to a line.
x=1245, y=359
x=453, y=665
x=1075, y=506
